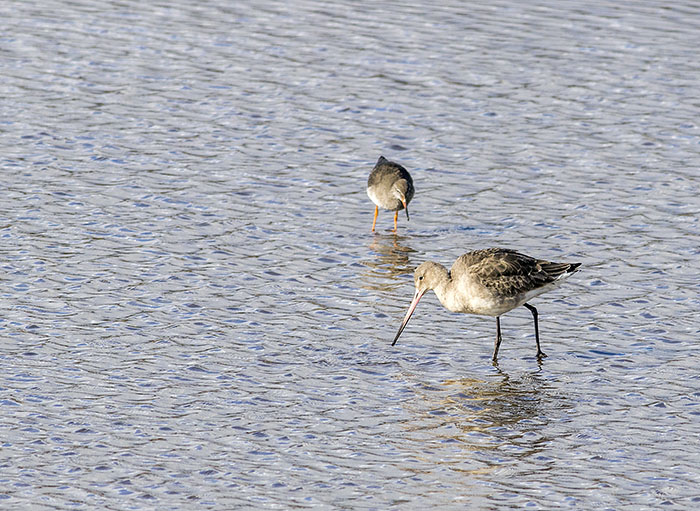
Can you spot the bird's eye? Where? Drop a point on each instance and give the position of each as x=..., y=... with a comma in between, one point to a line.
x=420, y=278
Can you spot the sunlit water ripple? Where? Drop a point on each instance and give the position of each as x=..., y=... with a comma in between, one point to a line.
x=194, y=313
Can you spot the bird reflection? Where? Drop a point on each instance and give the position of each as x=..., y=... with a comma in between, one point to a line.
x=504, y=402
x=469, y=423
x=388, y=259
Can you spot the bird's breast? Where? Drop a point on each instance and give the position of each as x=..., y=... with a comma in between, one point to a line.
x=469, y=297
x=384, y=199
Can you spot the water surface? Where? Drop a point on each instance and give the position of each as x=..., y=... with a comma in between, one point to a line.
x=194, y=313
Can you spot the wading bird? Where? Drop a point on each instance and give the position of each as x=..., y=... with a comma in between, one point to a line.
x=489, y=282
x=389, y=186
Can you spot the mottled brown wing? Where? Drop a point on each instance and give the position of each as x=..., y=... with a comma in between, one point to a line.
x=506, y=271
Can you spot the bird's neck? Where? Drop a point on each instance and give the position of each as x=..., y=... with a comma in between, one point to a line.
x=443, y=287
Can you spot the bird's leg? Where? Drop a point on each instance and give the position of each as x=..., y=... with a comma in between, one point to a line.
x=376, y=212
x=497, y=344
x=540, y=353
x=396, y=217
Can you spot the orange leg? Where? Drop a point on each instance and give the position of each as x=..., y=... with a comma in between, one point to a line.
x=376, y=212
x=396, y=217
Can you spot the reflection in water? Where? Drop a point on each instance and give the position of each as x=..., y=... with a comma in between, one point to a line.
x=504, y=416
x=503, y=403
x=388, y=258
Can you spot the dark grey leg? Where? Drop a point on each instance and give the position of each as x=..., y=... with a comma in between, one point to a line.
x=540, y=353
x=497, y=344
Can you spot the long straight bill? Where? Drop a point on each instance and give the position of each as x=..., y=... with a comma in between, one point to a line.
x=416, y=298
x=405, y=206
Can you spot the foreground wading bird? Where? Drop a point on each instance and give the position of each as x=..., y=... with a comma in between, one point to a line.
x=489, y=282
x=389, y=186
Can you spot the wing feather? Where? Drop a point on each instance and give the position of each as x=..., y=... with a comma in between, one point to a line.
x=507, y=272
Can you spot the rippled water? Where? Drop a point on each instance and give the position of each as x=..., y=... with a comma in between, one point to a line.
x=194, y=313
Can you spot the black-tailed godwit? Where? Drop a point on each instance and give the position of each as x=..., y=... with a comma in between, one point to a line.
x=489, y=282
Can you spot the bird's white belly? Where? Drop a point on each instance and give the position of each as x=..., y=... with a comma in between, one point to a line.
x=392, y=205
x=480, y=301
x=486, y=305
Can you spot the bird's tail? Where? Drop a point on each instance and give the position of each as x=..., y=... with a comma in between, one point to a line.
x=558, y=270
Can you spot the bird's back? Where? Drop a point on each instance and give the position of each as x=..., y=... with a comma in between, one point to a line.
x=509, y=274
x=386, y=171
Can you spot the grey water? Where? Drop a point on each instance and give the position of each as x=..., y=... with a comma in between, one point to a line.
x=194, y=313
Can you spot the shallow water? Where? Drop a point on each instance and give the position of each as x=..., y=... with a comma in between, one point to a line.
x=195, y=314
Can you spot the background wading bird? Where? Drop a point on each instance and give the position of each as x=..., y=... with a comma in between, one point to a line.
x=390, y=186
